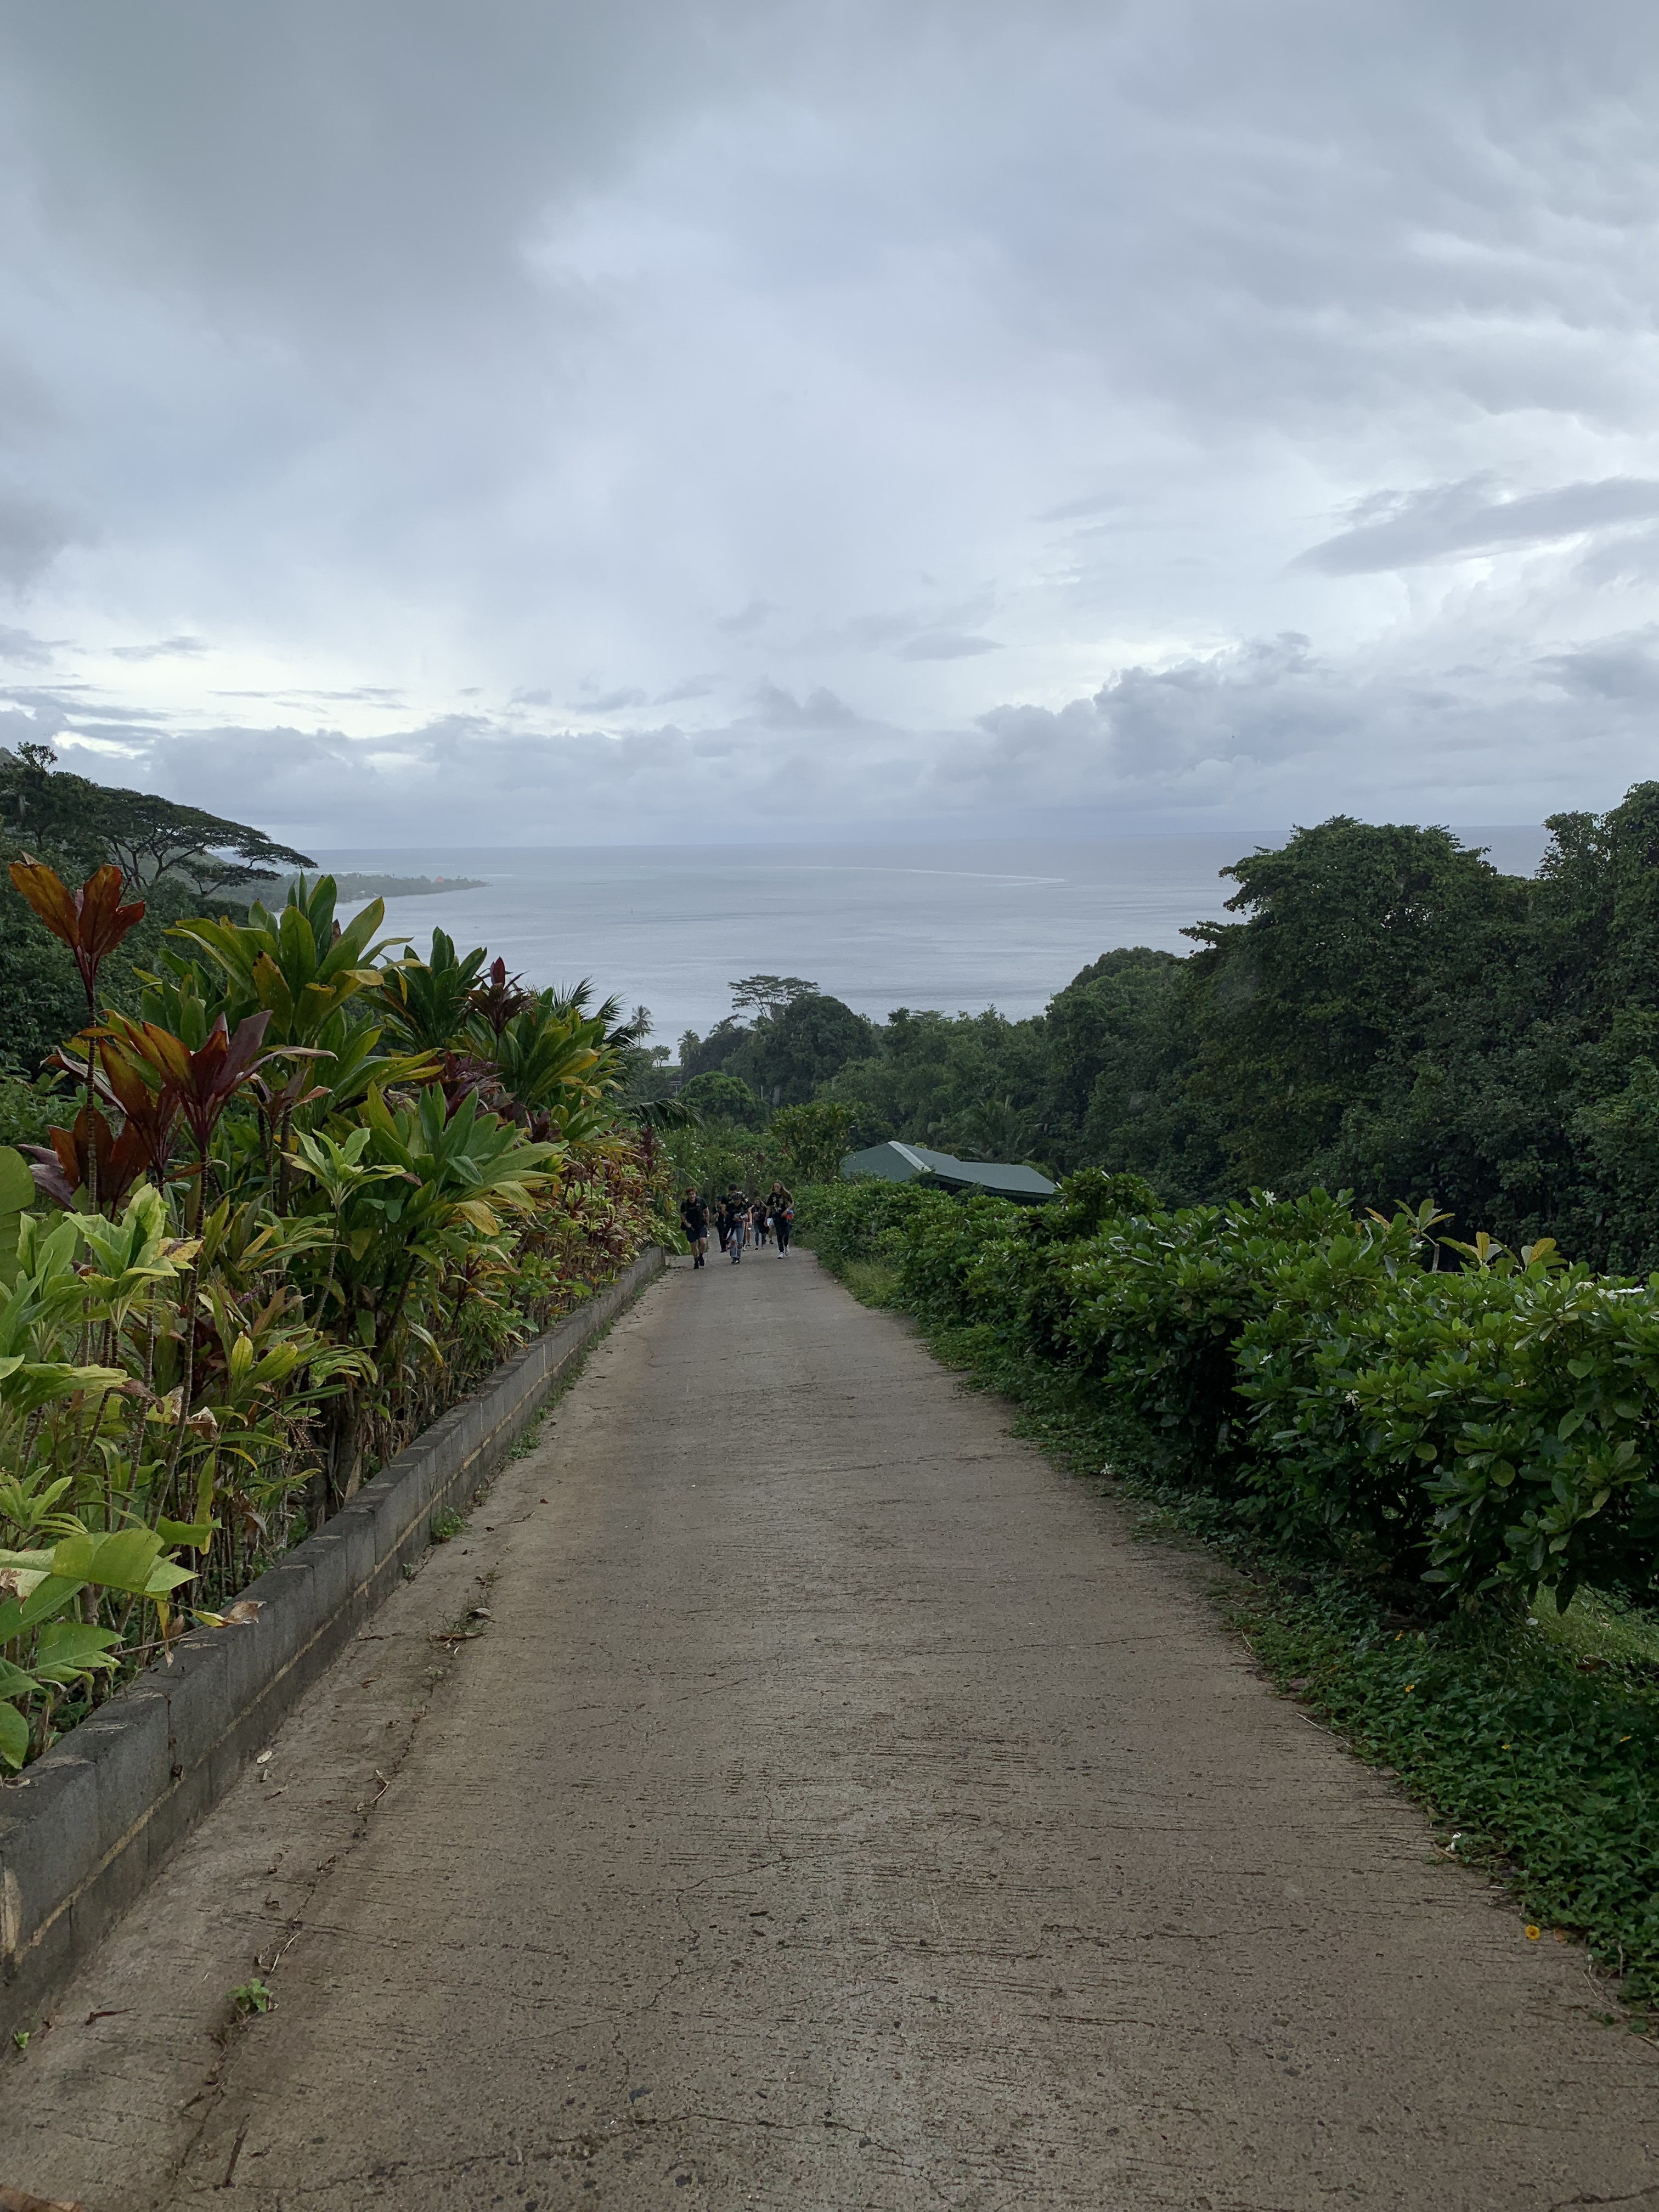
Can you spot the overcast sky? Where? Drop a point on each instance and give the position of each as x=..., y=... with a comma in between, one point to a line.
x=533, y=422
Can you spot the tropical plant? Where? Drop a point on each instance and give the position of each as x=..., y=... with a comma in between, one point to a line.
x=276, y=1252
x=428, y=1001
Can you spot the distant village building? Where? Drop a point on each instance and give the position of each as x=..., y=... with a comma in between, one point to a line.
x=899, y=1163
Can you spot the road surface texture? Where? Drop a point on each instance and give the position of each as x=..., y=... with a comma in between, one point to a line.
x=837, y=1809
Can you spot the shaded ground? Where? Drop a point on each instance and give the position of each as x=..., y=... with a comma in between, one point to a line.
x=837, y=1810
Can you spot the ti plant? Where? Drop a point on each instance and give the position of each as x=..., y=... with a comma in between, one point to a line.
x=262, y=1252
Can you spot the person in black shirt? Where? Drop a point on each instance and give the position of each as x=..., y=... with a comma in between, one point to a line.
x=694, y=1219
x=781, y=1207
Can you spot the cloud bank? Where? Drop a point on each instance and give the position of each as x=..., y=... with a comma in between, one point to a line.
x=524, y=425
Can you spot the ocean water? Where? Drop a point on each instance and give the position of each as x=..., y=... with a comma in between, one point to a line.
x=959, y=928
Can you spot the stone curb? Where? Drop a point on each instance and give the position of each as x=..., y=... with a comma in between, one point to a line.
x=83, y=1829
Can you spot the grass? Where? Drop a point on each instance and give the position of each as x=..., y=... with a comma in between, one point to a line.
x=871, y=1282
x=1531, y=1741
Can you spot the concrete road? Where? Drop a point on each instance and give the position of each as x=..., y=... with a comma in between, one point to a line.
x=836, y=1810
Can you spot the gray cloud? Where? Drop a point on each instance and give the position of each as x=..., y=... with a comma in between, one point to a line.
x=747, y=620
x=946, y=645
x=1270, y=730
x=23, y=646
x=1457, y=521
x=612, y=702
x=1614, y=669
x=963, y=402
x=166, y=648
x=34, y=531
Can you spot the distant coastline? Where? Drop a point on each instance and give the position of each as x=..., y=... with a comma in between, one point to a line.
x=352, y=887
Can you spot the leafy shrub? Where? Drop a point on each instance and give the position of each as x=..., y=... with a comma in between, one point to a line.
x=1490, y=1427
x=1495, y=1425
x=264, y=1254
x=723, y=1098
x=1158, y=1303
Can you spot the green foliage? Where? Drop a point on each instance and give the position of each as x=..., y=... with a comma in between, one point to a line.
x=1487, y=1427
x=1380, y=1010
x=428, y=1001
x=1531, y=1737
x=813, y=1139
x=148, y=837
x=28, y=1109
x=1539, y=1765
x=365, y=1235
x=718, y=1155
x=1464, y=1433
x=41, y=998
x=806, y=1043
x=800, y=1039
x=291, y=964
x=17, y=1196
x=721, y=1098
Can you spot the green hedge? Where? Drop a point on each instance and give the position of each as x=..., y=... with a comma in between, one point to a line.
x=1271, y=1378
x=1461, y=1417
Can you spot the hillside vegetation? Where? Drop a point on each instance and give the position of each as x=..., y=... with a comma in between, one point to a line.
x=1385, y=1011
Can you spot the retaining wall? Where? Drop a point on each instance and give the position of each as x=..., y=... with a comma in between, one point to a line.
x=84, y=1827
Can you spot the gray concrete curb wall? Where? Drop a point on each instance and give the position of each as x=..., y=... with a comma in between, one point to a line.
x=82, y=1829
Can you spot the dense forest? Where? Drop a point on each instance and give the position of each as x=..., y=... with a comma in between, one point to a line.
x=1388, y=1013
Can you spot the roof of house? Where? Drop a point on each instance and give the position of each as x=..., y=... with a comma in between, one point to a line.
x=908, y=1162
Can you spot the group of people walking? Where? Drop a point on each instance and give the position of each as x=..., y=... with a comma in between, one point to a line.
x=740, y=1221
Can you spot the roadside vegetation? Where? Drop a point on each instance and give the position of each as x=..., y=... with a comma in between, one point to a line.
x=1432, y=1461
x=277, y=1196
x=1380, y=1010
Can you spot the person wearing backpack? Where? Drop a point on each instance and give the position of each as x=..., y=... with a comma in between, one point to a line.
x=781, y=1207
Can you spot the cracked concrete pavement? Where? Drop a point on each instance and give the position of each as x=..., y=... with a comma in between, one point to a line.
x=837, y=1809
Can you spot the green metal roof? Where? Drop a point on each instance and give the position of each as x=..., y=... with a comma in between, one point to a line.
x=900, y=1163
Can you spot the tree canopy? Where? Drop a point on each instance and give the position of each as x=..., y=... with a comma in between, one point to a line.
x=147, y=836
x=1377, y=1008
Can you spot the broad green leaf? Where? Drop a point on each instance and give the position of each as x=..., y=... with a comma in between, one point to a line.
x=164, y=1576
x=17, y=1191
x=121, y=1561
x=69, y=1649
x=50, y=1595
x=37, y=1382
x=14, y=1682
x=14, y=1735
x=26, y=1562
x=199, y=1535
x=17, y=1195
x=53, y=1595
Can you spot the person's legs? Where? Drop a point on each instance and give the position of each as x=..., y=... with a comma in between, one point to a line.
x=782, y=1228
